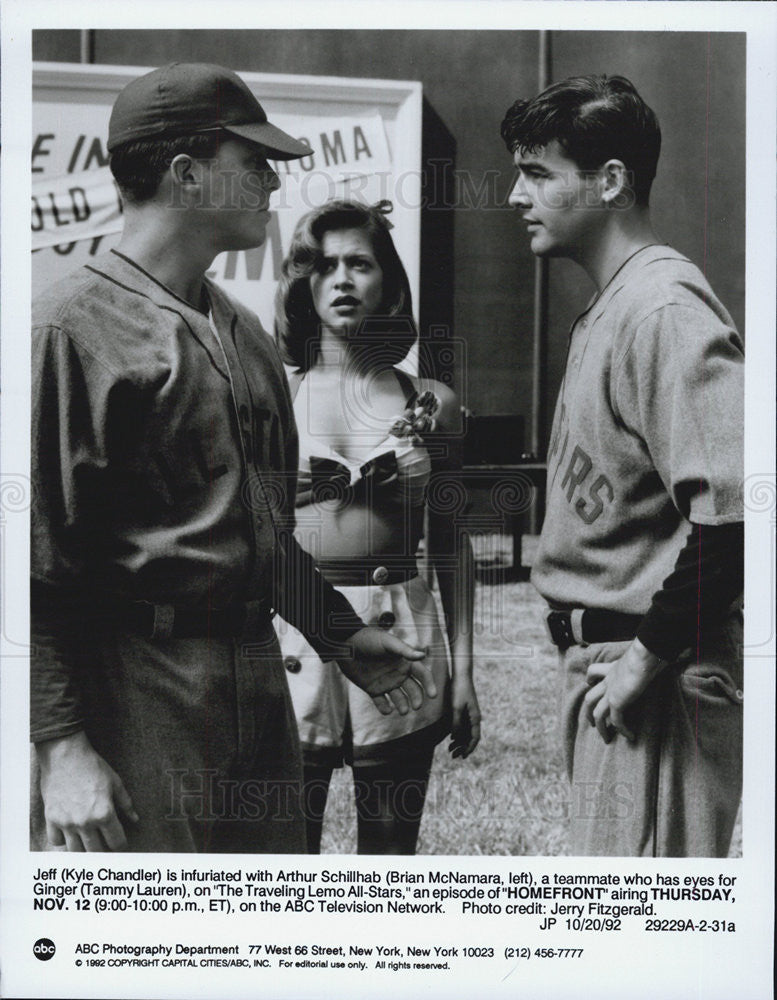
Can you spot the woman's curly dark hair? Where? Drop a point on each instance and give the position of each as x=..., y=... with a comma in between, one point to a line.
x=297, y=325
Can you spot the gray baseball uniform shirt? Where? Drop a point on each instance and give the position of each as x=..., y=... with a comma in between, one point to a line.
x=164, y=457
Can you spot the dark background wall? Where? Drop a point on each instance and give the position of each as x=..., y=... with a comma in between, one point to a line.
x=694, y=82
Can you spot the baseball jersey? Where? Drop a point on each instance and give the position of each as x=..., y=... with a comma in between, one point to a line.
x=647, y=436
x=164, y=457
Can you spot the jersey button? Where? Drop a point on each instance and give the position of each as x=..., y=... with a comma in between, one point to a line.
x=387, y=619
x=380, y=575
x=292, y=664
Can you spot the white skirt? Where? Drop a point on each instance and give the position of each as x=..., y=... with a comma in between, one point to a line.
x=337, y=720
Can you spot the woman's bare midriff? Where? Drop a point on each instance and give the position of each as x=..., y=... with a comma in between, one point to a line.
x=331, y=530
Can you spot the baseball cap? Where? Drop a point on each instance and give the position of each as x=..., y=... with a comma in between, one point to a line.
x=184, y=98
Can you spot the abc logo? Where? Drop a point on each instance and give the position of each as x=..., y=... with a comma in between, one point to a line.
x=43, y=949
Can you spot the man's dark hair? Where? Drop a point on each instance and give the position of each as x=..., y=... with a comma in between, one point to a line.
x=139, y=166
x=297, y=324
x=594, y=119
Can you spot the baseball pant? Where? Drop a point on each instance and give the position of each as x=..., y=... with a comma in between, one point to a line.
x=202, y=733
x=675, y=791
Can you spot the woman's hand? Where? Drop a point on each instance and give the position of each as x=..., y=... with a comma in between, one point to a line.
x=465, y=728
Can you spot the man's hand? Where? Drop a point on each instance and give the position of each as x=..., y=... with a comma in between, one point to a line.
x=385, y=667
x=615, y=686
x=82, y=796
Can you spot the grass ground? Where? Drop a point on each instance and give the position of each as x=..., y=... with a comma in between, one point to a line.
x=510, y=796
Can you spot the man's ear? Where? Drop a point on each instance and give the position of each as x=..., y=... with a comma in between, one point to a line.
x=616, y=188
x=184, y=170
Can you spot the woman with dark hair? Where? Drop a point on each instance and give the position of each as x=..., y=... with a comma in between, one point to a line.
x=375, y=443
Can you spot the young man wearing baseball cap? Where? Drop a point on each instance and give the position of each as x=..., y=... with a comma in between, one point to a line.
x=641, y=552
x=164, y=457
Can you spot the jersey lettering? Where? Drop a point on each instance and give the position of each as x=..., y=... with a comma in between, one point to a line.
x=601, y=484
x=600, y=490
x=261, y=433
x=556, y=437
x=578, y=468
x=267, y=437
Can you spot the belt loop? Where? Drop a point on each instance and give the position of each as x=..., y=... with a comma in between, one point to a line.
x=164, y=621
x=560, y=629
x=576, y=624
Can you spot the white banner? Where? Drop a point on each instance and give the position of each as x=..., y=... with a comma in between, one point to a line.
x=74, y=207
